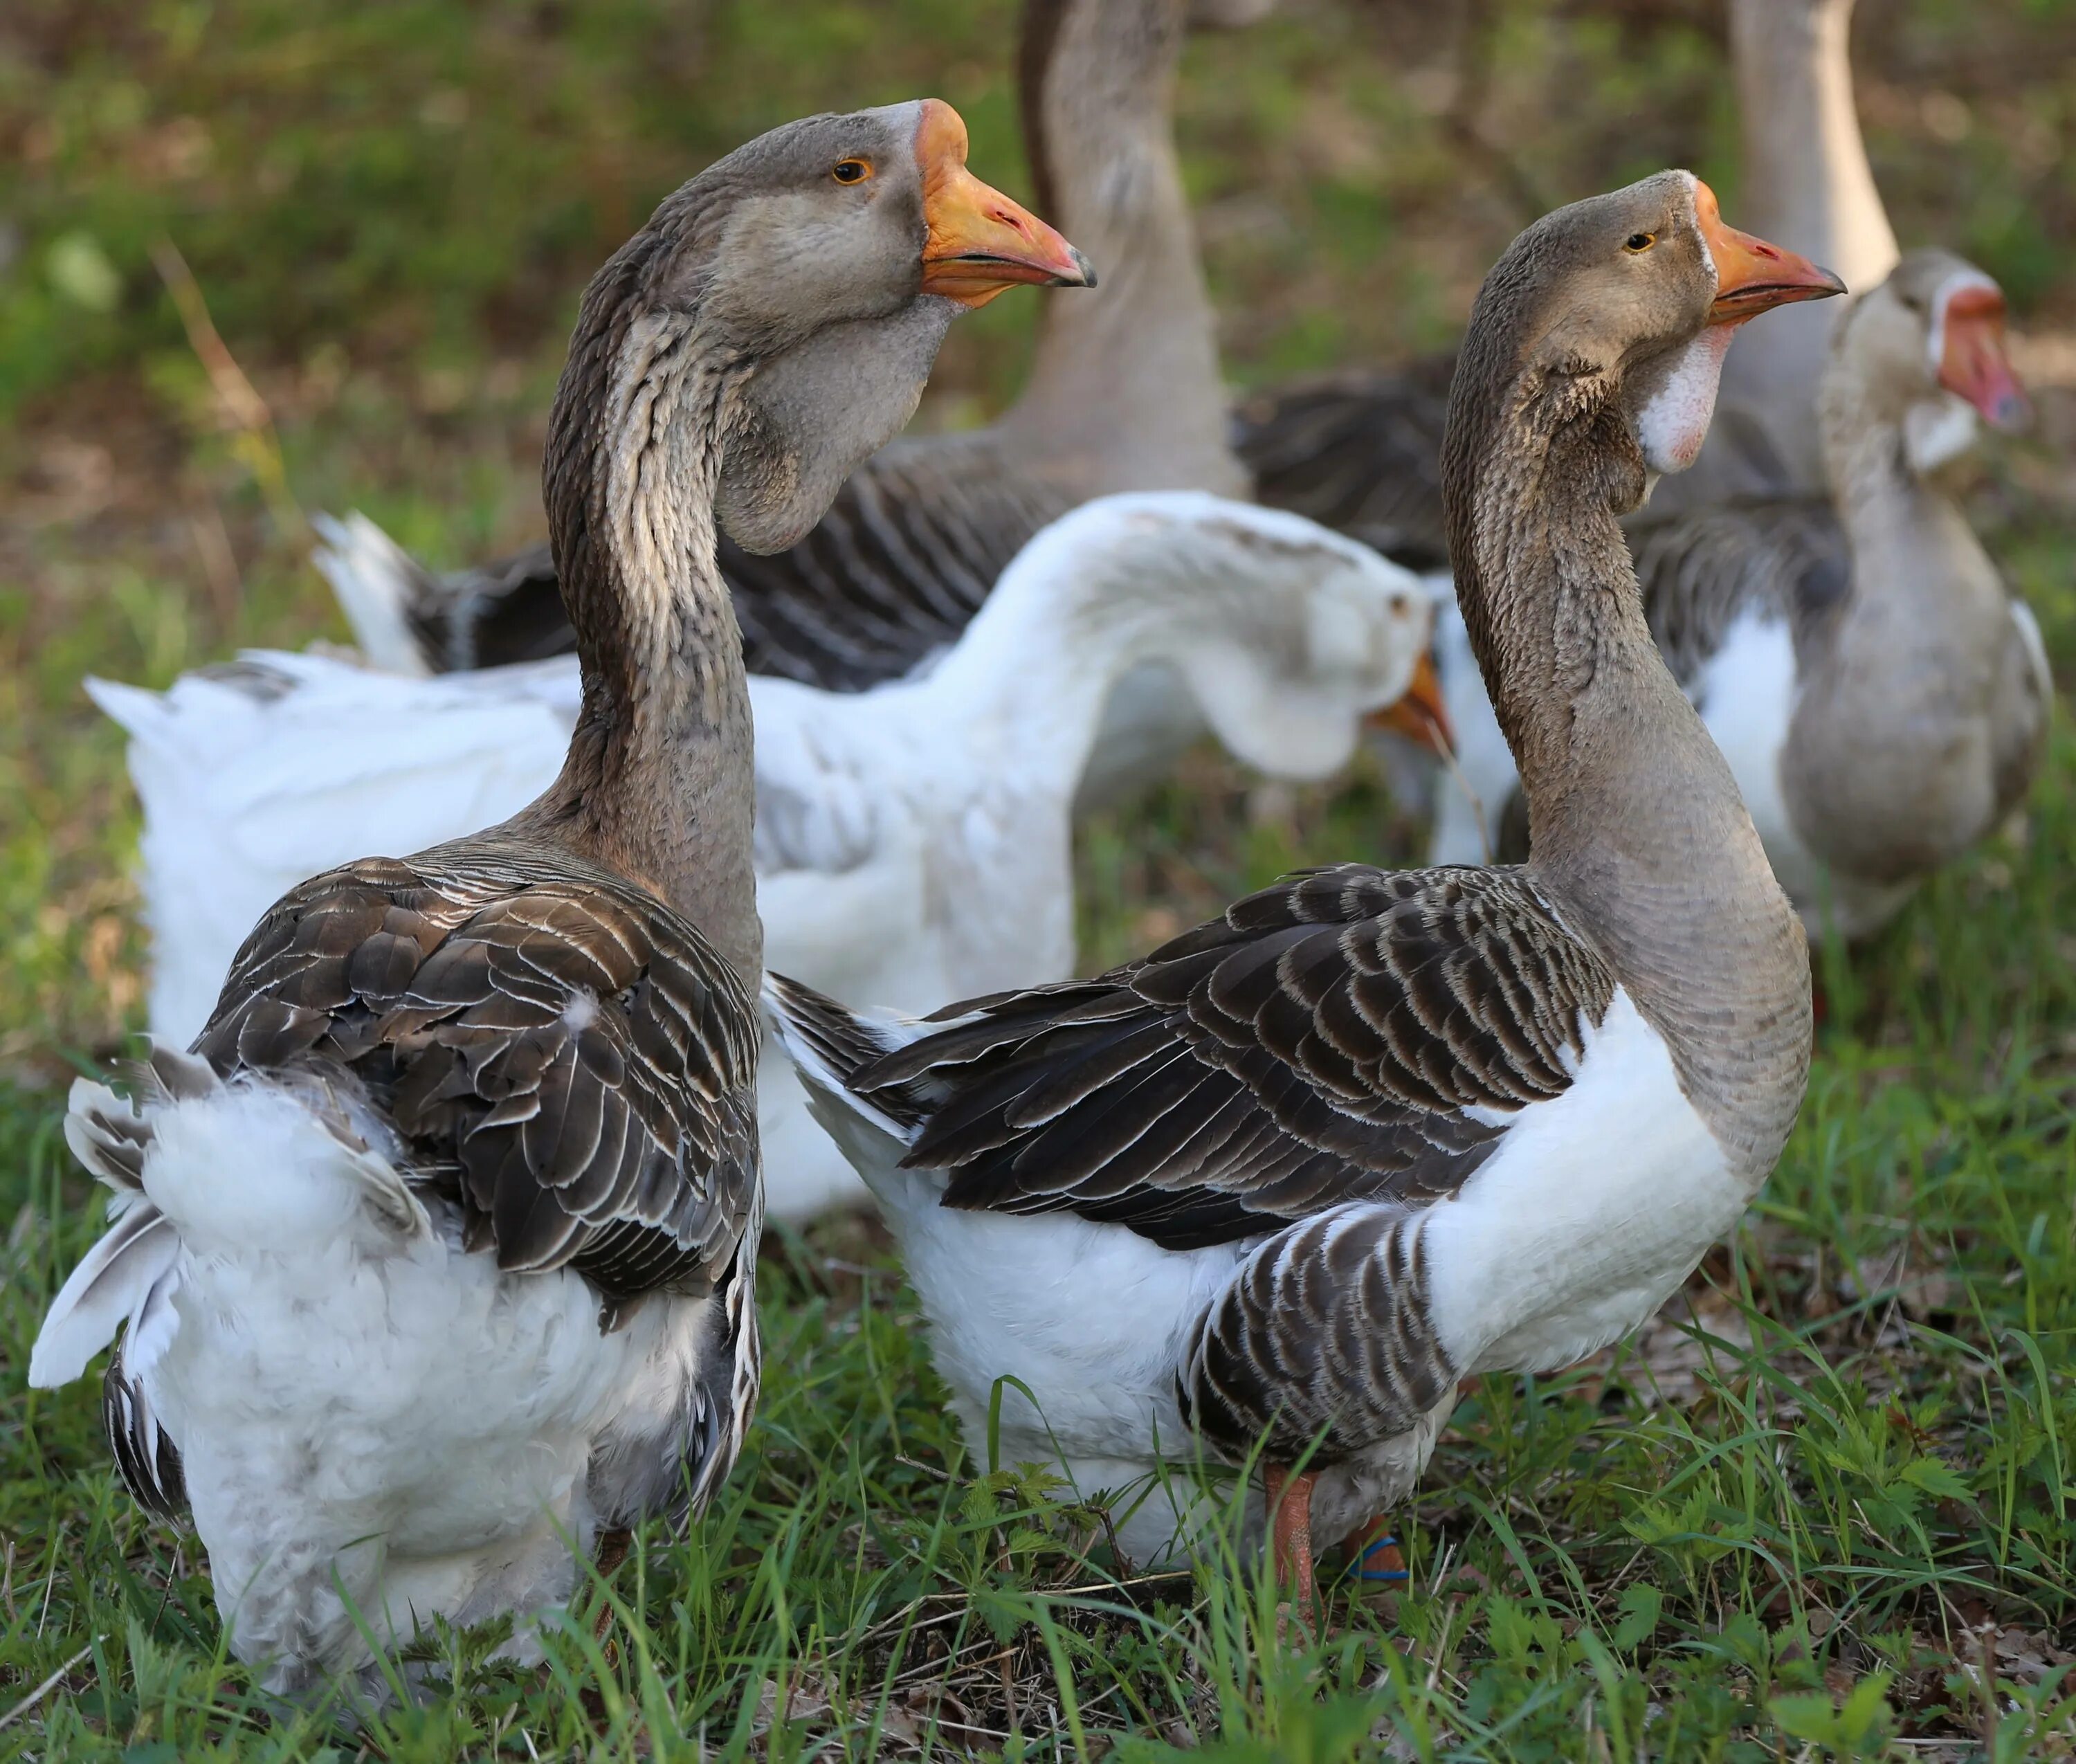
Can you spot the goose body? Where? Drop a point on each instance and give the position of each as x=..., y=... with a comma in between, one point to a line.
x=913, y=840
x=1196, y=1203
x=1881, y=696
x=1143, y=1311
x=433, y=1260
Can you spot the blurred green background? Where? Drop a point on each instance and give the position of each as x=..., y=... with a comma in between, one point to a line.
x=261, y=257
x=388, y=210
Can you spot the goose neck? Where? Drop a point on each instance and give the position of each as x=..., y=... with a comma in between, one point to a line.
x=1065, y=622
x=1806, y=180
x=1908, y=539
x=1639, y=834
x=659, y=784
x=1807, y=184
x=1125, y=392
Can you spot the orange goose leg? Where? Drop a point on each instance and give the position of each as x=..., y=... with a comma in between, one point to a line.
x=1289, y=1502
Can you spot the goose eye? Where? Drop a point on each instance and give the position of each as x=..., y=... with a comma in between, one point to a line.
x=1639, y=241
x=851, y=170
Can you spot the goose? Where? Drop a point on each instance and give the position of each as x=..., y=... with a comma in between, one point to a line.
x=435, y=1252
x=1360, y=449
x=912, y=840
x=1196, y=1201
x=1882, y=696
x=1124, y=393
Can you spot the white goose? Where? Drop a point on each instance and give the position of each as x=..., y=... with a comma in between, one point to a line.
x=913, y=840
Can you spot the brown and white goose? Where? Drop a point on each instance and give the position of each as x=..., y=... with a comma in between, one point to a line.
x=1882, y=696
x=1198, y=1197
x=1124, y=394
x=436, y=1252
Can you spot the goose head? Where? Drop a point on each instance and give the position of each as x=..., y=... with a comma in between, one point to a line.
x=1286, y=633
x=1630, y=298
x=1925, y=351
x=812, y=272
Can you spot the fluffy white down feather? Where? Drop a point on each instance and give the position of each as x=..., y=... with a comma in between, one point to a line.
x=322, y=1354
x=913, y=842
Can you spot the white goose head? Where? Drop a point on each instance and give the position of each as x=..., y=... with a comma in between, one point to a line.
x=1285, y=633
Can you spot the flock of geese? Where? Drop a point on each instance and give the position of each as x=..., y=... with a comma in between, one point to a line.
x=432, y=1258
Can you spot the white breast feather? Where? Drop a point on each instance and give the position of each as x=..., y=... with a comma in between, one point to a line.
x=1594, y=1207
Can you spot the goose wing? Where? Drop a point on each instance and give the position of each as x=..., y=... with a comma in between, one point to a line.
x=1351, y=1034
x=1359, y=451
x=562, y=1056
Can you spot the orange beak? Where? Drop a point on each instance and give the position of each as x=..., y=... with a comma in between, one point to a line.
x=1972, y=362
x=1752, y=277
x=1420, y=716
x=980, y=241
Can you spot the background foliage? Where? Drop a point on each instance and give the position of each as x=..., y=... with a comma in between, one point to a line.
x=1838, y=1525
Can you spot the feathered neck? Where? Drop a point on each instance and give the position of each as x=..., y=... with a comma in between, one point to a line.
x=659, y=783
x=1125, y=391
x=1638, y=832
x=1807, y=184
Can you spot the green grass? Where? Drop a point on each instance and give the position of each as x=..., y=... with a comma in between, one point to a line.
x=1826, y=1506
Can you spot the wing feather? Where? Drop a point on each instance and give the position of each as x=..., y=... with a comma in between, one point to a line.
x=1348, y=1035
x=570, y=1063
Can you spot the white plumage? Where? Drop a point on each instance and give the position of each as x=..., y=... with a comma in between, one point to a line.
x=913, y=842
x=297, y=1328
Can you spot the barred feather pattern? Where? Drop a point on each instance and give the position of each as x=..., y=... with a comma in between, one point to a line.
x=113, y=1143
x=561, y=1056
x=892, y=574
x=145, y=1459
x=1323, y=1344
x=1349, y=1034
x=1359, y=451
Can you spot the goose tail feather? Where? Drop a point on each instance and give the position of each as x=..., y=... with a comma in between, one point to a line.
x=376, y=583
x=829, y=1044
x=118, y=1279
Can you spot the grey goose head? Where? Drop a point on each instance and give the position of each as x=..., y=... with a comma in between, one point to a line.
x=1627, y=300
x=812, y=273
x=1925, y=350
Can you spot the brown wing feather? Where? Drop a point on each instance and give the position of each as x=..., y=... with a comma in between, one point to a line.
x=1359, y=451
x=564, y=1057
x=1324, y=1342
x=1351, y=1034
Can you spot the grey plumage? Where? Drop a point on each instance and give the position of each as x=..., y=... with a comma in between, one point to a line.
x=1360, y=451
x=517, y=1071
